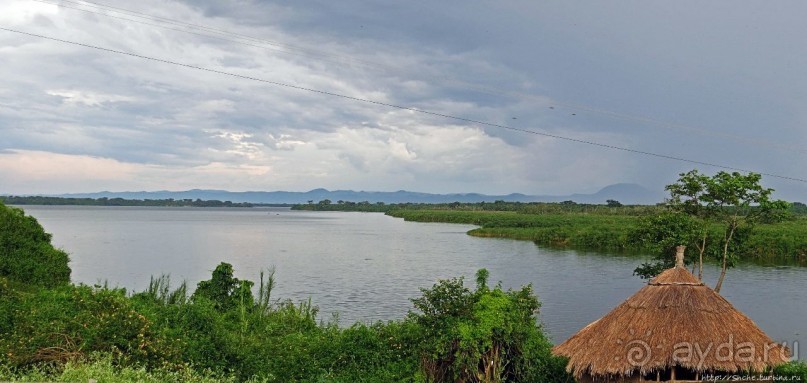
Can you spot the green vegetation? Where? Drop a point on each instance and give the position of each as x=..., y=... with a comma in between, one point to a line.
x=783, y=241
x=103, y=368
x=566, y=207
x=40, y=200
x=327, y=205
x=734, y=202
x=222, y=332
x=26, y=255
x=792, y=372
x=51, y=330
x=577, y=230
x=661, y=234
x=726, y=217
x=455, y=334
x=486, y=335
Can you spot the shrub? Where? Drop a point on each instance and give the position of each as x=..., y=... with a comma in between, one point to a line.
x=70, y=322
x=792, y=372
x=26, y=254
x=486, y=335
x=225, y=291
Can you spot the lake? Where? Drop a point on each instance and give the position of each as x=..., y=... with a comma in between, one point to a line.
x=366, y=266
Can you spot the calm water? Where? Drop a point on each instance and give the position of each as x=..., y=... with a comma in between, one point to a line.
x=367, y=266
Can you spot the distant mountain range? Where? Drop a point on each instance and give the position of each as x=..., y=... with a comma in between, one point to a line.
x=624, y=193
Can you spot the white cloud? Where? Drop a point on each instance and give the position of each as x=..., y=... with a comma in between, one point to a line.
x=170, y=127
x=21, y=12
x=88, y=98
x=38, y=172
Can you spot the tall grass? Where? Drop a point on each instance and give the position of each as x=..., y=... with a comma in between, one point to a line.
x=785, y=240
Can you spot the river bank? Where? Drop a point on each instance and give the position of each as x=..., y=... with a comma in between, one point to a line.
x=783, y=241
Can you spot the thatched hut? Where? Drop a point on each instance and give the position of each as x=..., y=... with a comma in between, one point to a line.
x=673, y=329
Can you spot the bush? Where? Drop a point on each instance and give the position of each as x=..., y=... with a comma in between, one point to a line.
x=26, y=254
x=486, y=335
x=70, y=322
x=225, y=291
x=792, y=372
x=81, y=332
x=103, y=368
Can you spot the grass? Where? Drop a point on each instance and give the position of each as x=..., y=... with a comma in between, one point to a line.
x=785, y=240
x=102, y=368
x=576, y=230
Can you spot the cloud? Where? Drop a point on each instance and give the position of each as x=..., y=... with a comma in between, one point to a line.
x=619, y=78
x=22, y=12
x=35, y=171
x=87, y=98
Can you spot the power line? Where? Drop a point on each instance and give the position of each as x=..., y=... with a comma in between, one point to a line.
x=342, y=59
x=400, y=107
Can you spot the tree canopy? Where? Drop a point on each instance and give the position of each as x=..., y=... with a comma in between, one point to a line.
x=733, y=202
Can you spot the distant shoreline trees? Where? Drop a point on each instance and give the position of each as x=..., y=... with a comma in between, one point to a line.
x=104, y=201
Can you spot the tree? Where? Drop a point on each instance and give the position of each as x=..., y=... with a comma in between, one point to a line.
x=26, y=253
x=739, y=201
x=613, y=203
x=686, y=196
x=661, y=234
x=733, y=200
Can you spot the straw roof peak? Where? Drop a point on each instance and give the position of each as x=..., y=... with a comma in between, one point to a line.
x=676, y=276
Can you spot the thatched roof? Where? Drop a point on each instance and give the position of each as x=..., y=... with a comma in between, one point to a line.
x=674, y=320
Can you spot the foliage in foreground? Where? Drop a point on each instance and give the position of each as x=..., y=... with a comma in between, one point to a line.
x=103, y=368
x=486, y=335
x=163, y=334
x=794, y=372
x=26, y=254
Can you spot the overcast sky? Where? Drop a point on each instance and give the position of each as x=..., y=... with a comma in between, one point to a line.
x=721, y=82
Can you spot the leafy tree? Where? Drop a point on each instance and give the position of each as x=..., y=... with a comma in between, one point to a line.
x=26, y=253
x=733, y=200
x=738, y=202
x=613, y=203
x=686, y=196
x=661, y=234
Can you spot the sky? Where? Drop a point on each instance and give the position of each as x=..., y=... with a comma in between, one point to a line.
x=719, y=82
